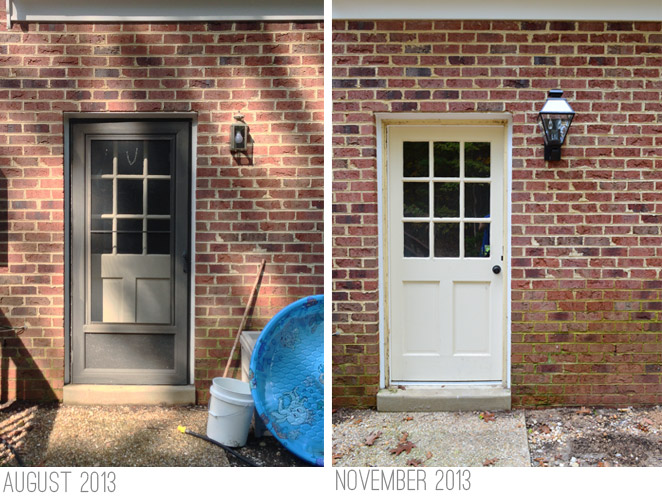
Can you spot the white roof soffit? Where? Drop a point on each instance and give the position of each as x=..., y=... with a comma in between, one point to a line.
x=556, y=10
x=163, y=10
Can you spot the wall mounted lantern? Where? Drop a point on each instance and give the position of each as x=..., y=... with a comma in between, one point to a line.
x=555, y=118
x=239, y=134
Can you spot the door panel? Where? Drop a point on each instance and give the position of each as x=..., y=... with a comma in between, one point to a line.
x=445, y=234
x=130, y=236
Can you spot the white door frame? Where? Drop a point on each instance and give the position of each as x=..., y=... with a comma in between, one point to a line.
x=383, y=121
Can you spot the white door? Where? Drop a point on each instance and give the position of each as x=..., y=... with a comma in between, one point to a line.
x=445, y=253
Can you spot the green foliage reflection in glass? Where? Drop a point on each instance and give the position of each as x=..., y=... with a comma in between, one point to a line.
x=417, y=240
x=446, y=200
x=416, y=159
x=475, y=243
x=477, y=159
x=446, y=240
x=446, y=159
x=416, y=200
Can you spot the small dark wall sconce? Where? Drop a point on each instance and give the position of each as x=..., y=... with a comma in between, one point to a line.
x=555, y=118
x=239, y=135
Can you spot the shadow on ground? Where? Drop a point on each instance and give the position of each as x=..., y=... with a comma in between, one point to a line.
x=119, y=436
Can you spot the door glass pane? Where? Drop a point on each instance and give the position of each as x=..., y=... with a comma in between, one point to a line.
x=101, y=238
x=416, y=200
x=102, y=157
x=158, y=158
x=477, y=239
x=477, y=159
x=416, y=159
x=446, y=159
x=129, y=236
x=476, y=200
x=130, y=157
x=417, y=239
x=101, y=243
x=446, y=200
x=158, y=236
x=158, y=196
x=447, y=240
x=102, y=201
x=129, y=196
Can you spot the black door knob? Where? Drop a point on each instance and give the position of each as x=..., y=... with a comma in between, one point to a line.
x=496, y=269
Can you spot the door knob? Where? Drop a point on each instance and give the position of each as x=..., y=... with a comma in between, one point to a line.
x=496, y=269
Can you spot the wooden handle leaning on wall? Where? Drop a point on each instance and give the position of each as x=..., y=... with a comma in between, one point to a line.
x=243, y=320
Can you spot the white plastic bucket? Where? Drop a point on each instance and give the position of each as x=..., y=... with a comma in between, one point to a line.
x=230, y=411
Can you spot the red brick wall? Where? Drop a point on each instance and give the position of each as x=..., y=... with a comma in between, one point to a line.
x=586, y=243
x=272, y=208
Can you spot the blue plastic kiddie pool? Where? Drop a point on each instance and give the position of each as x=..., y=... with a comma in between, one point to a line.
x=287, y=378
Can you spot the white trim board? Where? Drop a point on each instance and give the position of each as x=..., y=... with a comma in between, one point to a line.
x=162, y=10
x=561, y=10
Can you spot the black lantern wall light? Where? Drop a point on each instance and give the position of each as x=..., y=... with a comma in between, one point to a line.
x=555, y=118
x=239, y=134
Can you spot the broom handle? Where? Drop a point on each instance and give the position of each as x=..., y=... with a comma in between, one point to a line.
x=243, y=320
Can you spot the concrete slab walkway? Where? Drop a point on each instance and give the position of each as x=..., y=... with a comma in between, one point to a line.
x=437, y=438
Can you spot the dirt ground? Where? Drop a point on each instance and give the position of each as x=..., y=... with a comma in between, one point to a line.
x=595, y=436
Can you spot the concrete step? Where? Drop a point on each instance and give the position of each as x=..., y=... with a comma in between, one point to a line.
x=108, y=394
x=443, y=398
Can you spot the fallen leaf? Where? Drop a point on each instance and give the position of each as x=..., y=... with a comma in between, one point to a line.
x=486, y=416
x=405, y=435
x=403, y=447
x=583, y=410
x=490, y=462
x=335, y=457
x=603, y=464
x=541, y=461
x=400, y=387
x=358, y=421
x=370, y=439
x=544, y=429
x=642, y=426
x=414, y=462
x=428, y=455
x=408, y=418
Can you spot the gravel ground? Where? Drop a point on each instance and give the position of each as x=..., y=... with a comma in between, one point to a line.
x=429, y=439
x=104, y=436
x=547, y=437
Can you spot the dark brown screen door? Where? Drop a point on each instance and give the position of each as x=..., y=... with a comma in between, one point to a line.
x=130, y=240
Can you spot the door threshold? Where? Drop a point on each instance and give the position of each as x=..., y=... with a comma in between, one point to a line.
x=418, y=398
x=109, y=394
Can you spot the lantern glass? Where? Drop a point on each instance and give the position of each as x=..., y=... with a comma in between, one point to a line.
x=238, y=137
x=555, y=126
x=555, y=119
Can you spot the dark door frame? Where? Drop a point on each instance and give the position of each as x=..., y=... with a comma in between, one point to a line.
x=112, y=122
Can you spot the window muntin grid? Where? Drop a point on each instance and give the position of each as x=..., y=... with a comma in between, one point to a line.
x=131, y=196
x=446, y=199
